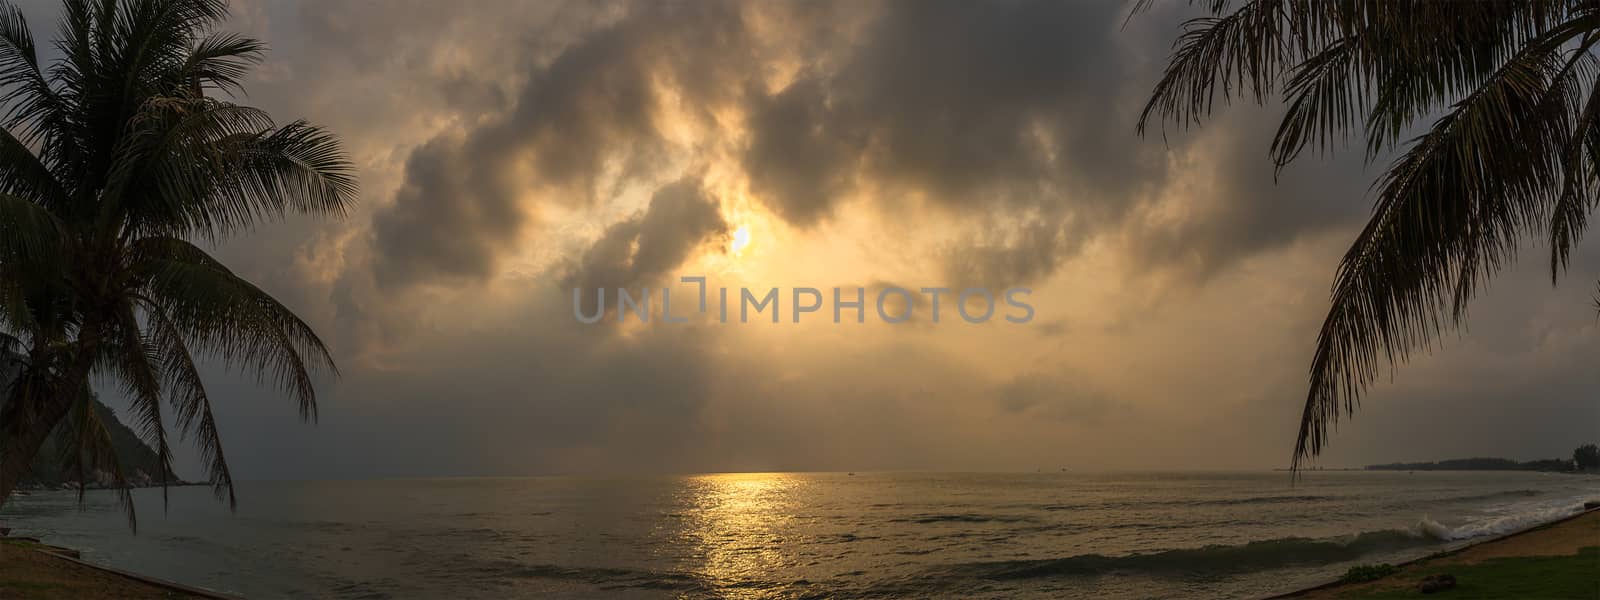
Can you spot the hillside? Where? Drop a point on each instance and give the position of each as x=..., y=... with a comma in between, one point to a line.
x=139, y=462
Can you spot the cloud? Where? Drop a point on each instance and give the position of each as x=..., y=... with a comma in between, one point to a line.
x=798, y=161
x=469, y=196
x=611, y=139
x=1016, y=117
x=1053, y=396
x=1019, y=118
x=1002, y=257
x=640, y=249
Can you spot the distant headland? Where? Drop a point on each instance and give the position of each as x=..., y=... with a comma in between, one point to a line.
x=1584, y=459
x=1479, y=464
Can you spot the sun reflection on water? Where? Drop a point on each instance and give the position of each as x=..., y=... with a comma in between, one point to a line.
x=736, y=521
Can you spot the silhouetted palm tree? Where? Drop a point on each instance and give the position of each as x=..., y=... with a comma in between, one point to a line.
x=111, y=160
x=1512, y=151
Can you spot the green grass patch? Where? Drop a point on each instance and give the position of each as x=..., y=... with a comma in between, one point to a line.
x=1574, y=577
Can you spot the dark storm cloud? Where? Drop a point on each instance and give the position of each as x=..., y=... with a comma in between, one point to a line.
x=466, y=196
x=1018, y=114
x=1021, y=111
x=450, y=217
x=1250, y=209
x=976, y=105
x=639, y=249
x=798, y=161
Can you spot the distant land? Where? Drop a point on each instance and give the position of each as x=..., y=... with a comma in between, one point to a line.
x=140, y=464
x=1481, y=464
x=53, y=469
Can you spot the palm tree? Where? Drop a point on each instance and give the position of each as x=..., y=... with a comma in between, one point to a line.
x=111, y=161
x=1511, y=152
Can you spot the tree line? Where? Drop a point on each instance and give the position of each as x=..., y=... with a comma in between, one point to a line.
x=1584, y=458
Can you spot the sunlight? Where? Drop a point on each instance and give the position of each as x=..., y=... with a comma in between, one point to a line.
x=736, y=521
x=741, y=238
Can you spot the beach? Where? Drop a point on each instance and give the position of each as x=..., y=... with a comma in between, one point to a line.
x=1242, y=535
x=1493, y=568
x=1556, y=560
x=34, y=571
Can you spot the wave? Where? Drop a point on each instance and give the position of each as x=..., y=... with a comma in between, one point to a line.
x=1269, y=554
x=1182, y=502
x=1217, y=558
x=601, y=577
x=1255, y=500
x=961, y=518
x=1263, y=500
x=1528, y=516
x=1497, y=496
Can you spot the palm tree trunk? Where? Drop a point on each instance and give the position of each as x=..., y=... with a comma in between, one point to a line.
x=29, y=429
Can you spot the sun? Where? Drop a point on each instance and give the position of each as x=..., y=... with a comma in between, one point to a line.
x=741, y=239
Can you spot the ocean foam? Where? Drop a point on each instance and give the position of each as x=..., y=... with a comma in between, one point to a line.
x=1513, y=518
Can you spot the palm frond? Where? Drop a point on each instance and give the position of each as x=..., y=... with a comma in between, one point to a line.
x=214, y=168
x=1240, y=54
x=177, y=152
x=221, y=61
x=1451, y=211
x=1581, y=168
x=136, y=362
x=23, y=174
x=91, y=448
x=188, y=396
x=1515, y=154
x=31, y=102
x=221, y=314
x=110, y=160
x=300, y=167
x=1326, y=97
x=30, y=237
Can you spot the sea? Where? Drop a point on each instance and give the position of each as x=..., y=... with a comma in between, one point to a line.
x=801, y=535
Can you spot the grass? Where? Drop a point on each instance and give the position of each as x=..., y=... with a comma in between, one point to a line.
x=1362, y=573
x=1570, y=577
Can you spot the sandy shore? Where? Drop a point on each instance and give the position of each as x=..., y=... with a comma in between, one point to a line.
x=32, y=570
x=1498, y=567
x=1548, y=553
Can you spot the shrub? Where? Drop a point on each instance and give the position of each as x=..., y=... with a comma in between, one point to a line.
x=1362, y=573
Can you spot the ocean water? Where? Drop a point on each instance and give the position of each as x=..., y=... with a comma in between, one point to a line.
x=801, y=535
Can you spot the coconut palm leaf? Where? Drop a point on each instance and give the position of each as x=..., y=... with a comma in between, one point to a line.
x=91, y=450
x=190, y=402
x=112, y=160
x=219, y=313
x=33, y=104
x=136, y=362
x=1512, y=151
x=221, y=61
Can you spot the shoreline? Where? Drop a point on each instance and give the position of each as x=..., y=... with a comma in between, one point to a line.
x=39, y=570
x=1407, y=574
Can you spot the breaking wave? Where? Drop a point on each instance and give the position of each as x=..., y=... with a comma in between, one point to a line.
x=1516, y=518
x=1272, y=553
x=1248, y=557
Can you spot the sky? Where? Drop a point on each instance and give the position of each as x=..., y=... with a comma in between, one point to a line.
x=511, y=151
